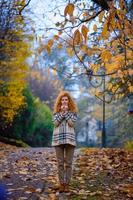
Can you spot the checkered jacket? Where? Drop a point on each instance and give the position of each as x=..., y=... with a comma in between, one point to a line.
x=64, y=133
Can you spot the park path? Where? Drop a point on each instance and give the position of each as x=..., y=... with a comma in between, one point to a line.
x=29, y=173
x=98, y=174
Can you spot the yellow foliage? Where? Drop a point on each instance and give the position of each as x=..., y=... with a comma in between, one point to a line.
x=128, y=145
x=109, y=86
x=14, y=71
x=119, y=59
x=70, y=51
x=104, y=31
x=111, y=67
x=106, y=55
x=130, y=54
x=59, y=46
x=111, y=45
x=84, y=48
x=94, y=67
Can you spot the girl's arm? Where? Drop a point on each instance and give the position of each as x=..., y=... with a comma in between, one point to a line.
x=57, y=119
x=71, y=118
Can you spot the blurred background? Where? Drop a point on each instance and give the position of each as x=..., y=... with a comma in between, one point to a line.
x=31, y=76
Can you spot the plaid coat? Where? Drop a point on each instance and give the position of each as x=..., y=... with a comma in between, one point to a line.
x=64, y=133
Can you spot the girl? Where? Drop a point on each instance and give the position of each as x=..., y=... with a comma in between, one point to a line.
x=64, y=140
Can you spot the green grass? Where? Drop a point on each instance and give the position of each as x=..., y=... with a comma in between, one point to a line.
x=76, y=198
x=128, y=145
x=15, y=142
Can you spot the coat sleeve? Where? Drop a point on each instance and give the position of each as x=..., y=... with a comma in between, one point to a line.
x=57, y=118
x=71, y=118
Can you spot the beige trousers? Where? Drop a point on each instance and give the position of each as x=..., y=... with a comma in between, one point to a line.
x=64, y=154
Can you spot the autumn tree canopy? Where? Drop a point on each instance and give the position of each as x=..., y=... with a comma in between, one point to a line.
x=99, y=34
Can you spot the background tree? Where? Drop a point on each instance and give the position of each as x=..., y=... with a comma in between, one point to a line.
x=14, y=50
x=57, y=59
x=44, y=84
x=33, y=124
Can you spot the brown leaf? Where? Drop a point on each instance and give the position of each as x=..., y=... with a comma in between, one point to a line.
x=84, y=30
x=77, y=37
x=69, y=9
x=30, y=189
x=126, y=188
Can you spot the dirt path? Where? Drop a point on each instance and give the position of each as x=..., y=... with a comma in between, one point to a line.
x=98, y=174
x=29, y=173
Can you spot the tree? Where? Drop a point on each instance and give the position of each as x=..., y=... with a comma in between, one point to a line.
x=33, y=124
x=58, y=58
x=14, y=49
x=43, y=84
x=100, y=35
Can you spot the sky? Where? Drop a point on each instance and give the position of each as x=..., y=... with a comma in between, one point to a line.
x=43, y=14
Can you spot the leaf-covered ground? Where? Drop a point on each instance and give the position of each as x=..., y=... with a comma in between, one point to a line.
x=98, y=174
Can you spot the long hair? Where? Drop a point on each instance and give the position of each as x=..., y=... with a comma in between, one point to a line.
x=71, y=104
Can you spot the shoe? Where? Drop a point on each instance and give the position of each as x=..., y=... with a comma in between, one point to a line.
x=61, y=188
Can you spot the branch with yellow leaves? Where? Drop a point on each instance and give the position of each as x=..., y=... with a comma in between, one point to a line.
x=23, y=7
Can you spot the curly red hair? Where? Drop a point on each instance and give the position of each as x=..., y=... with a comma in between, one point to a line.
x=71, y=104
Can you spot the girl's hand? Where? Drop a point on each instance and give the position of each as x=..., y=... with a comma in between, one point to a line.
x=64, y=109
x=63, y=112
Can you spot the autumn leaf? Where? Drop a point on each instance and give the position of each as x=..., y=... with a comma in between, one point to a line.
x=59, y=46
x=106, y=55
x=101, y=16
x=69, y=9
x=56, y=37
x=104, y=31
x=95, y=28
x=84, y=30
x=30, y=189
x=70, y=51
x=126, y=188
x=50, y=43
x=48, y=49
x=85, y=14
x=84, y=48
x=77, y=37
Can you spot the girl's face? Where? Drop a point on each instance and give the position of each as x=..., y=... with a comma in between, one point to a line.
x=64, y=100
